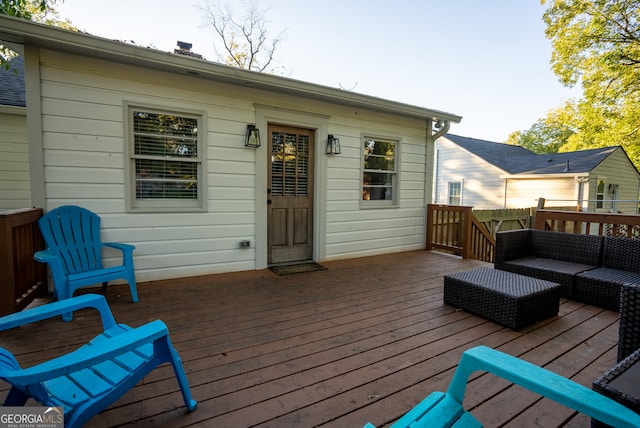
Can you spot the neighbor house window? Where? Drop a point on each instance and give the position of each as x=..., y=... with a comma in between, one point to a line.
x=165, y=160
x=600, y=195
x=455, y=193
x=379, y=172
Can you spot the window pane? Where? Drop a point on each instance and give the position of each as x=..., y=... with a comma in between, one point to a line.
x=165, y=135
x=377, y=186
x=455, y=193
x=600, y=194
x=379, y=155
x=379, y=170
x=289, y=164
x=166, y=179
x=165, y=156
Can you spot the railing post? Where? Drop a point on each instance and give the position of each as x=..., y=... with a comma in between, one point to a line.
x=429, y=231
x=466, y=232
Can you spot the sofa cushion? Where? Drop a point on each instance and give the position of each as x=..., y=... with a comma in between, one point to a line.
x=557, y=271
x=569, y=247
x=560, y=266
x=601, y=287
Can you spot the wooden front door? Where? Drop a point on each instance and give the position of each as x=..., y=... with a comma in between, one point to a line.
x=290, y=199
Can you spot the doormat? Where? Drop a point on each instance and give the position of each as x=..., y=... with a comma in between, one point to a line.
x=297, y=268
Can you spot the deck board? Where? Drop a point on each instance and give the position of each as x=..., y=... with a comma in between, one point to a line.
x=364, y=340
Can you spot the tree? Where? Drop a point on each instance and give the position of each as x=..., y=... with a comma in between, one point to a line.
x=550, y=133
x=596, y=44
x=22, y=8
x=245, y=42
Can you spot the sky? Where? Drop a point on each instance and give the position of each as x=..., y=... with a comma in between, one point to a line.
x=485, y=60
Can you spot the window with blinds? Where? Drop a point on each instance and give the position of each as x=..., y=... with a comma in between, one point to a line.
x=289, y=164
x=165, y=159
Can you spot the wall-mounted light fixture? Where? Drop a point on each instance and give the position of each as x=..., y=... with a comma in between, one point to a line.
x=333, y=145
x=253, y=137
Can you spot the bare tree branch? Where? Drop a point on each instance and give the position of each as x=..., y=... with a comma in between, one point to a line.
x=245, y=41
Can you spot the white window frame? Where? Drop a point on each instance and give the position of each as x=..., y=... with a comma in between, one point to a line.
x=380, y=203
x=449, y=194
x=134, y=204
x=600, y=195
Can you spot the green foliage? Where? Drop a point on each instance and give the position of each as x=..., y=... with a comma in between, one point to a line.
x=548, y=134
x=23, y=8
x=596, y=43
x=42, y=11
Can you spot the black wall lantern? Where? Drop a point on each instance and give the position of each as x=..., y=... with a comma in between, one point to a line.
x=333, y=145
x=253, y=137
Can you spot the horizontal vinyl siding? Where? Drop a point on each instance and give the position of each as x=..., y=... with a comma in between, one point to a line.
x=525, y=193
x=84, y=164
x=355, y=230
x=14, y=162
x=482, y=187
x=617, y=169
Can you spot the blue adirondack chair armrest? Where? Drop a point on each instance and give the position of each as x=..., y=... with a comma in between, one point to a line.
x=541, y=381
x=120, y=246
x=51, y=310
x=531, y=377
x=88, y=356
x=127, y=249
x=46, y=256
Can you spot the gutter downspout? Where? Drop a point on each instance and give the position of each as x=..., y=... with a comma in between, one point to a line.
x=443, y=126
x=434, y=131
x=436, y=128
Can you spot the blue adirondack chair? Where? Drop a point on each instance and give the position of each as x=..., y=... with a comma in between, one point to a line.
x=92, y=377
x=75, y=253
x=442, y=409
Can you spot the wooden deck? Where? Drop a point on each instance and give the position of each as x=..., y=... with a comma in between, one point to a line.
x=362, y=341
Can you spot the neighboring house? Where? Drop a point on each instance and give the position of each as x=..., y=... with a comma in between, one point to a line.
x=154, y=142
x=488, y=175
x=14, y=151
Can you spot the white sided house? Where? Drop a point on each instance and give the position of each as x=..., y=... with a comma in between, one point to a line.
x=488, y=175
x=163, y=147
x=14, y=150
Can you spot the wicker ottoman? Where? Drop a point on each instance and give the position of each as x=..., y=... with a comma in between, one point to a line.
x=506, y=298
x=621, y=384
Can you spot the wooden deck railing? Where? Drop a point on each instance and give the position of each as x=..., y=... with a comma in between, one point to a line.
x=21, y=277
x=455, y=229
x=609, y=224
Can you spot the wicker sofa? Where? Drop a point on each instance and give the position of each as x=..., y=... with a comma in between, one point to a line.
x=620, y=265
x=621, y=381
x=552, y=256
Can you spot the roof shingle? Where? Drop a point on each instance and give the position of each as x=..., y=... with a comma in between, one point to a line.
x=518, y=160
x=12, y=87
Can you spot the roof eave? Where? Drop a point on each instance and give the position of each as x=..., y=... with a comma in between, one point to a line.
x=17, y=110
x=542, y=175
x=20, y=31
